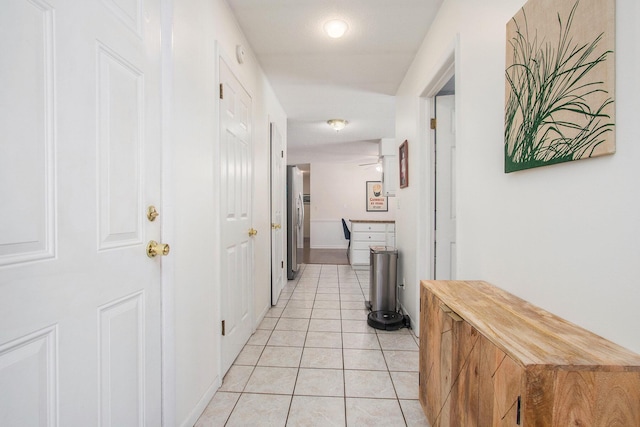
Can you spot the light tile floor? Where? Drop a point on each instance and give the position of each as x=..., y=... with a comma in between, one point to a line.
x=314, y=361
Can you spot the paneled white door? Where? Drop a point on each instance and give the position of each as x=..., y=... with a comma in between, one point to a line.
x=79, y=164
x=277, y=209
x=445, y=262
x=235, y=203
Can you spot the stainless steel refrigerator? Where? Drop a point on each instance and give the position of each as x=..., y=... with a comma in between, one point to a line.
x=295, y=221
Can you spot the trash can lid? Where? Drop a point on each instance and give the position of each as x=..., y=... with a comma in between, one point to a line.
x=383, y=250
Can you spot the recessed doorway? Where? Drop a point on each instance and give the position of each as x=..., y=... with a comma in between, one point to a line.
x=444, y=264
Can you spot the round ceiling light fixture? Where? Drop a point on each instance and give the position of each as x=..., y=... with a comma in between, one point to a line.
x=335, y=28
x=337, y=124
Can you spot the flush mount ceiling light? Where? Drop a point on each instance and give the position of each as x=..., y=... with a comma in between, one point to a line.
x=337, y=124
x=335, y=28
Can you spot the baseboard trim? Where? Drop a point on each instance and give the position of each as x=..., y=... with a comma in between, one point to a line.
x=262, y=315
x=202, y=404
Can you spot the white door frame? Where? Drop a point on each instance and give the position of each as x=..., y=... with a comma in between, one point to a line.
x=425, y=241
x=167, y=302
x=278, y=226
x=444, y=72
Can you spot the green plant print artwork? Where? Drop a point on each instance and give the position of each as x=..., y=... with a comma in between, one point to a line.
x=559, y=83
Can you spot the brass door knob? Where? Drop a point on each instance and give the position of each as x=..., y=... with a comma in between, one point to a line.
x=154, y=248
x=252, y=232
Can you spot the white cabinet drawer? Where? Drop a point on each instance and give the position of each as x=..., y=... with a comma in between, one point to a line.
x=368, y=237
x=360, y=256
x=368, y=226
x=365, y=246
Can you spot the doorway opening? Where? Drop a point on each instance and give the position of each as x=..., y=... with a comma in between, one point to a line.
x=444, y=176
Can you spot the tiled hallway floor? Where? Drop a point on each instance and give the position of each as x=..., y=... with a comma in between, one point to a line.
x=314, y=361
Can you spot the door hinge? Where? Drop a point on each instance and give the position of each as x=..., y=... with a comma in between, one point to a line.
x=518, y=411
x=433, y=123
x=221, y=91
x=282, y=154
x=281, y=264
x=223, y=329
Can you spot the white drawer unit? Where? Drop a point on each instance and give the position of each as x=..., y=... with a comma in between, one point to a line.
x=366, y=234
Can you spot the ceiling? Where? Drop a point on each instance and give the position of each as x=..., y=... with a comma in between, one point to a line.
x=317, y=78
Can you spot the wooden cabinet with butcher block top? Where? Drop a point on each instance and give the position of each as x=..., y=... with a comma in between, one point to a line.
x=489, y=358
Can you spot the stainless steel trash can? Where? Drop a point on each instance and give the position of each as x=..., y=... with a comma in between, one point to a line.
x=383, y=278
x=383, y=299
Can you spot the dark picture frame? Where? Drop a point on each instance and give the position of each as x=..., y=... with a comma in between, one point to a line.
x=403, y=167
x=376, y=202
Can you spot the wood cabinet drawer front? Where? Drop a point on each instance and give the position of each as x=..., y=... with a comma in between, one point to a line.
x=380, y=238
x=367, y=226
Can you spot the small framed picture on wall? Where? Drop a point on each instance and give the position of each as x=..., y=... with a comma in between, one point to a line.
x=403, y=156
x=376, y=202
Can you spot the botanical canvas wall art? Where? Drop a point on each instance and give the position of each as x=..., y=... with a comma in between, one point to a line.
x=559, y=83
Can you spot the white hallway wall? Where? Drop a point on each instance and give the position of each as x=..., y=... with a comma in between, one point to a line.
x=563, y=237
x=338, y=190
x=193, y=199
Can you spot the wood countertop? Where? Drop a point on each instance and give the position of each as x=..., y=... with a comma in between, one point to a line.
x=373, y=221
x=529, y=334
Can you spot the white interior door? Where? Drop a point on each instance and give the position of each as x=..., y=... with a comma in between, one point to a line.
x=235, y=191
x=79, y=164
x=277, y=207
x=445, y=224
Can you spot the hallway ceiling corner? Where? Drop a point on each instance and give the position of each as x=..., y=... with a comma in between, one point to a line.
x=317, y=78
